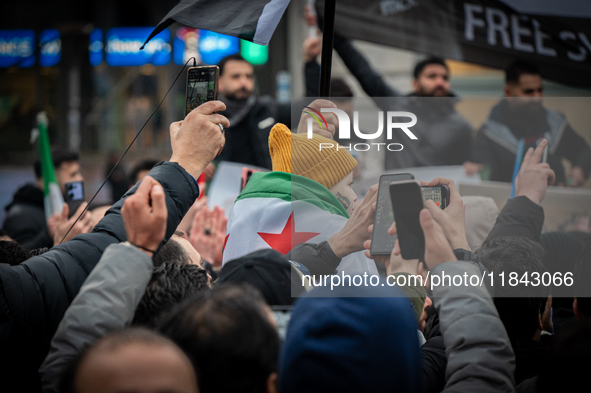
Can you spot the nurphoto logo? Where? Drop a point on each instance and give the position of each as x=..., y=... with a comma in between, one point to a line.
x=393, y=121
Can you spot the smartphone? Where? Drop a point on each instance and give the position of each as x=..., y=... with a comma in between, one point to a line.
x=246, y=174
x=407, y=202
x=74, y=195
x=381, y=242
x=202, y=86
x=439, y=194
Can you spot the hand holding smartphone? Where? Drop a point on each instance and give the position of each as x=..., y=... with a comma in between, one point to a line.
x=407, y=202
x=202, y=86
x=381, y=242
x=408, y=199
x=74, y=196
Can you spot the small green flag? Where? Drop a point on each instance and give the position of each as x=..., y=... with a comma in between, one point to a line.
x=53, y=198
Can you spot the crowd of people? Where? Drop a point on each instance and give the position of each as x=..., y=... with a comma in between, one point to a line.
x=159, y=293
x=163, y=294
x=445, y=137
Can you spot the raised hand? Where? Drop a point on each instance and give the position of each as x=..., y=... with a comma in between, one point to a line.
x=208, y=233
x=452, y=218
x=60, y=224
x=144, y=216
x=198, y=139
x=534, y=176
x=353, y=235
x=319, y=129
x=437, y=248
x=312, y=47
x=394, y=262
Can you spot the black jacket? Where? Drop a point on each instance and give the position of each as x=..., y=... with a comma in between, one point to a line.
x=247, y=138
x=497, y=141
x=519, y=217
x=25, y=218
x=444, y=137
x=35, y=294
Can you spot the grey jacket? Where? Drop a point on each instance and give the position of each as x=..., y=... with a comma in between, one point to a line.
x=479, y=354
x=106, y=302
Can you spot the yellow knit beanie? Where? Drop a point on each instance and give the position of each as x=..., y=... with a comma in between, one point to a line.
x=296, y=154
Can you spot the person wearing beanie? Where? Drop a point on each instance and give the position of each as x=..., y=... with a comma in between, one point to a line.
x=351, y=344
x=297, y=154
x=307, y=201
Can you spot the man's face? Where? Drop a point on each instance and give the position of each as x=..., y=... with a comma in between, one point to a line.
x=344, y=193
x=433, y=81
x=68, y=172
x=237, y=81
x=136, y=368
x=529, y=85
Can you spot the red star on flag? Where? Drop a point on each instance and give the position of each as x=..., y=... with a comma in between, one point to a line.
x=283, y=242
x=225, y=241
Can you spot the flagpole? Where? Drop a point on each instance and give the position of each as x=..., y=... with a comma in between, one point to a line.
x=327, y=45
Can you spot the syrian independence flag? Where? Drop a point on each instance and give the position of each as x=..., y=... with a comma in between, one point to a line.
x=251, y=20
x=280, y=211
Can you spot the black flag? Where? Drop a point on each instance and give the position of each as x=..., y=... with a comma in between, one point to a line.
x=251, y=20
x=555, y=35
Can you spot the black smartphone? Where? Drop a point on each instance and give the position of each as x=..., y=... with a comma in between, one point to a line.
x=439, y=194
x=407, y=203
x=381, y=242
x=246, y=174
x=74, y=195
x=202, y=86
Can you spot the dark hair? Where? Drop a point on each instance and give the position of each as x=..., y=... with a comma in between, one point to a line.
x=235, y=57
x=518, y=306
x=422, y=64
x=582, y=281
x=340, y=89
x=171, y=284
x=228, y=337
x=567, y=365
x=12, y=253
x=112, y=341
x=518, y=68
x=171, y=252
x=58, y=156
x=143, y=165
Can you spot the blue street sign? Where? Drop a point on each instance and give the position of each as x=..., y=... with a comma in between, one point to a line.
x=214, y=46
x=123, y=47
x=17, y=48
x=95, y=47
x=50, y=48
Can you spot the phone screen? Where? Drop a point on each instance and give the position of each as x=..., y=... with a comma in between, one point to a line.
x=407, y=203
x=201, y=86
x=433, y=193
x=74, y=195
x=381, y=242
x=74, y=191
x=438, y=194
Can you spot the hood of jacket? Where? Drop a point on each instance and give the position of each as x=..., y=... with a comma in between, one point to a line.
x=28, y=194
